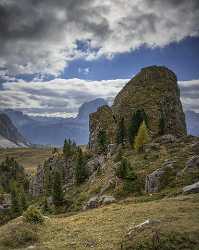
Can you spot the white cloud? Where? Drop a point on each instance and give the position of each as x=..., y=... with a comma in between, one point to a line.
x=41, y=36
x=58, y=97
x=190, y=94
x=62, y=97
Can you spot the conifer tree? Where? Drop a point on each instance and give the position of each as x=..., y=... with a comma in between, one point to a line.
x=161, y=124
x=102, y=141
x=121, y=132
x=23, y=200
x=57, y=189
x=15, y=199
x=80, y=168
x=142, y=137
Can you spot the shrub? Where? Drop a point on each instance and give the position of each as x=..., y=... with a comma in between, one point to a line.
x=33, y=215
x=18, y=235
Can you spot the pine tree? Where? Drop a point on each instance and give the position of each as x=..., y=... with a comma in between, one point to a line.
x=57, y=189
x=138, y=117
x=69, y=148
x=142, y=137
x=121, y=132
x=15, y=199
x=161, y=124
x=23, y=200
x=80, y=168
x=102, y=141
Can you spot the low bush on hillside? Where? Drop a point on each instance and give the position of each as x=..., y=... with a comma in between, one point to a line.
x=18, y=235
x=33, y=215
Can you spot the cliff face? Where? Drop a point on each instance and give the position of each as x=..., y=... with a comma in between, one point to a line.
x=153, y=89
x=103, y=119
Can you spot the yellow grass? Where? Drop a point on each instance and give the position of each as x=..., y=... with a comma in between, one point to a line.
x=30, y=158
x=105, y=227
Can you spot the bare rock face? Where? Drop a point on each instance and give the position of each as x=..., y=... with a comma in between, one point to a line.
x=153, y=89
x=153, y=182
x=36, y=186
x=103, y=119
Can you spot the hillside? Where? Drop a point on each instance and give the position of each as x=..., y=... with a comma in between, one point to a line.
x=135, y=186
x=105, y=228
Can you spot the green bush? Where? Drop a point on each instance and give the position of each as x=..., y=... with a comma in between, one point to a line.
x=33, y=215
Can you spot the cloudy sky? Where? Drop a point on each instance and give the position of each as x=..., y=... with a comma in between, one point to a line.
x=55, y=55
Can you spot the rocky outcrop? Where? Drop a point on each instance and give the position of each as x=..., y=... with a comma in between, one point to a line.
x=36, y=186
x=46, y=172
x=153, y=89
x=103, y=119
x=154, y=181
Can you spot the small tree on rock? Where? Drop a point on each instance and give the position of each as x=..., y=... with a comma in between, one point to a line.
x=142, y=137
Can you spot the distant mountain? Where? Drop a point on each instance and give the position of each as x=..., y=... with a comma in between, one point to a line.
x=53, y=130
x=9, y=135
x=192, y=120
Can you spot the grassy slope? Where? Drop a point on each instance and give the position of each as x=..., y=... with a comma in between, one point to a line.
x=30, y=158
x=104, y=228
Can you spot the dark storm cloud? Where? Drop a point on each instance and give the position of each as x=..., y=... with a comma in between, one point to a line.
x=40, y=36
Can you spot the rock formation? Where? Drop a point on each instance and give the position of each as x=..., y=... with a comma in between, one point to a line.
x=103, y=119
x=153, y=89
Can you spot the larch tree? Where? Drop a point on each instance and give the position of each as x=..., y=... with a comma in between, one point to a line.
x=142, y=137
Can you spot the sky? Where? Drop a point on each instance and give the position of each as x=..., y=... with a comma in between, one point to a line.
x=56, y=55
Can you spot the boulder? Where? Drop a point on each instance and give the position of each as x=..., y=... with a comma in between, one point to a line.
x=153, y=182
x=105, y=199
x=140, y=227
x=97, y=201
x=93, y=202
x=166, y=139
x=194, y=188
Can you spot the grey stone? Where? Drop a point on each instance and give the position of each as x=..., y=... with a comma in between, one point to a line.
x=105, y=199
x=97, y=201
x=194, y=188
x=142, y=226
x=169, y=138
